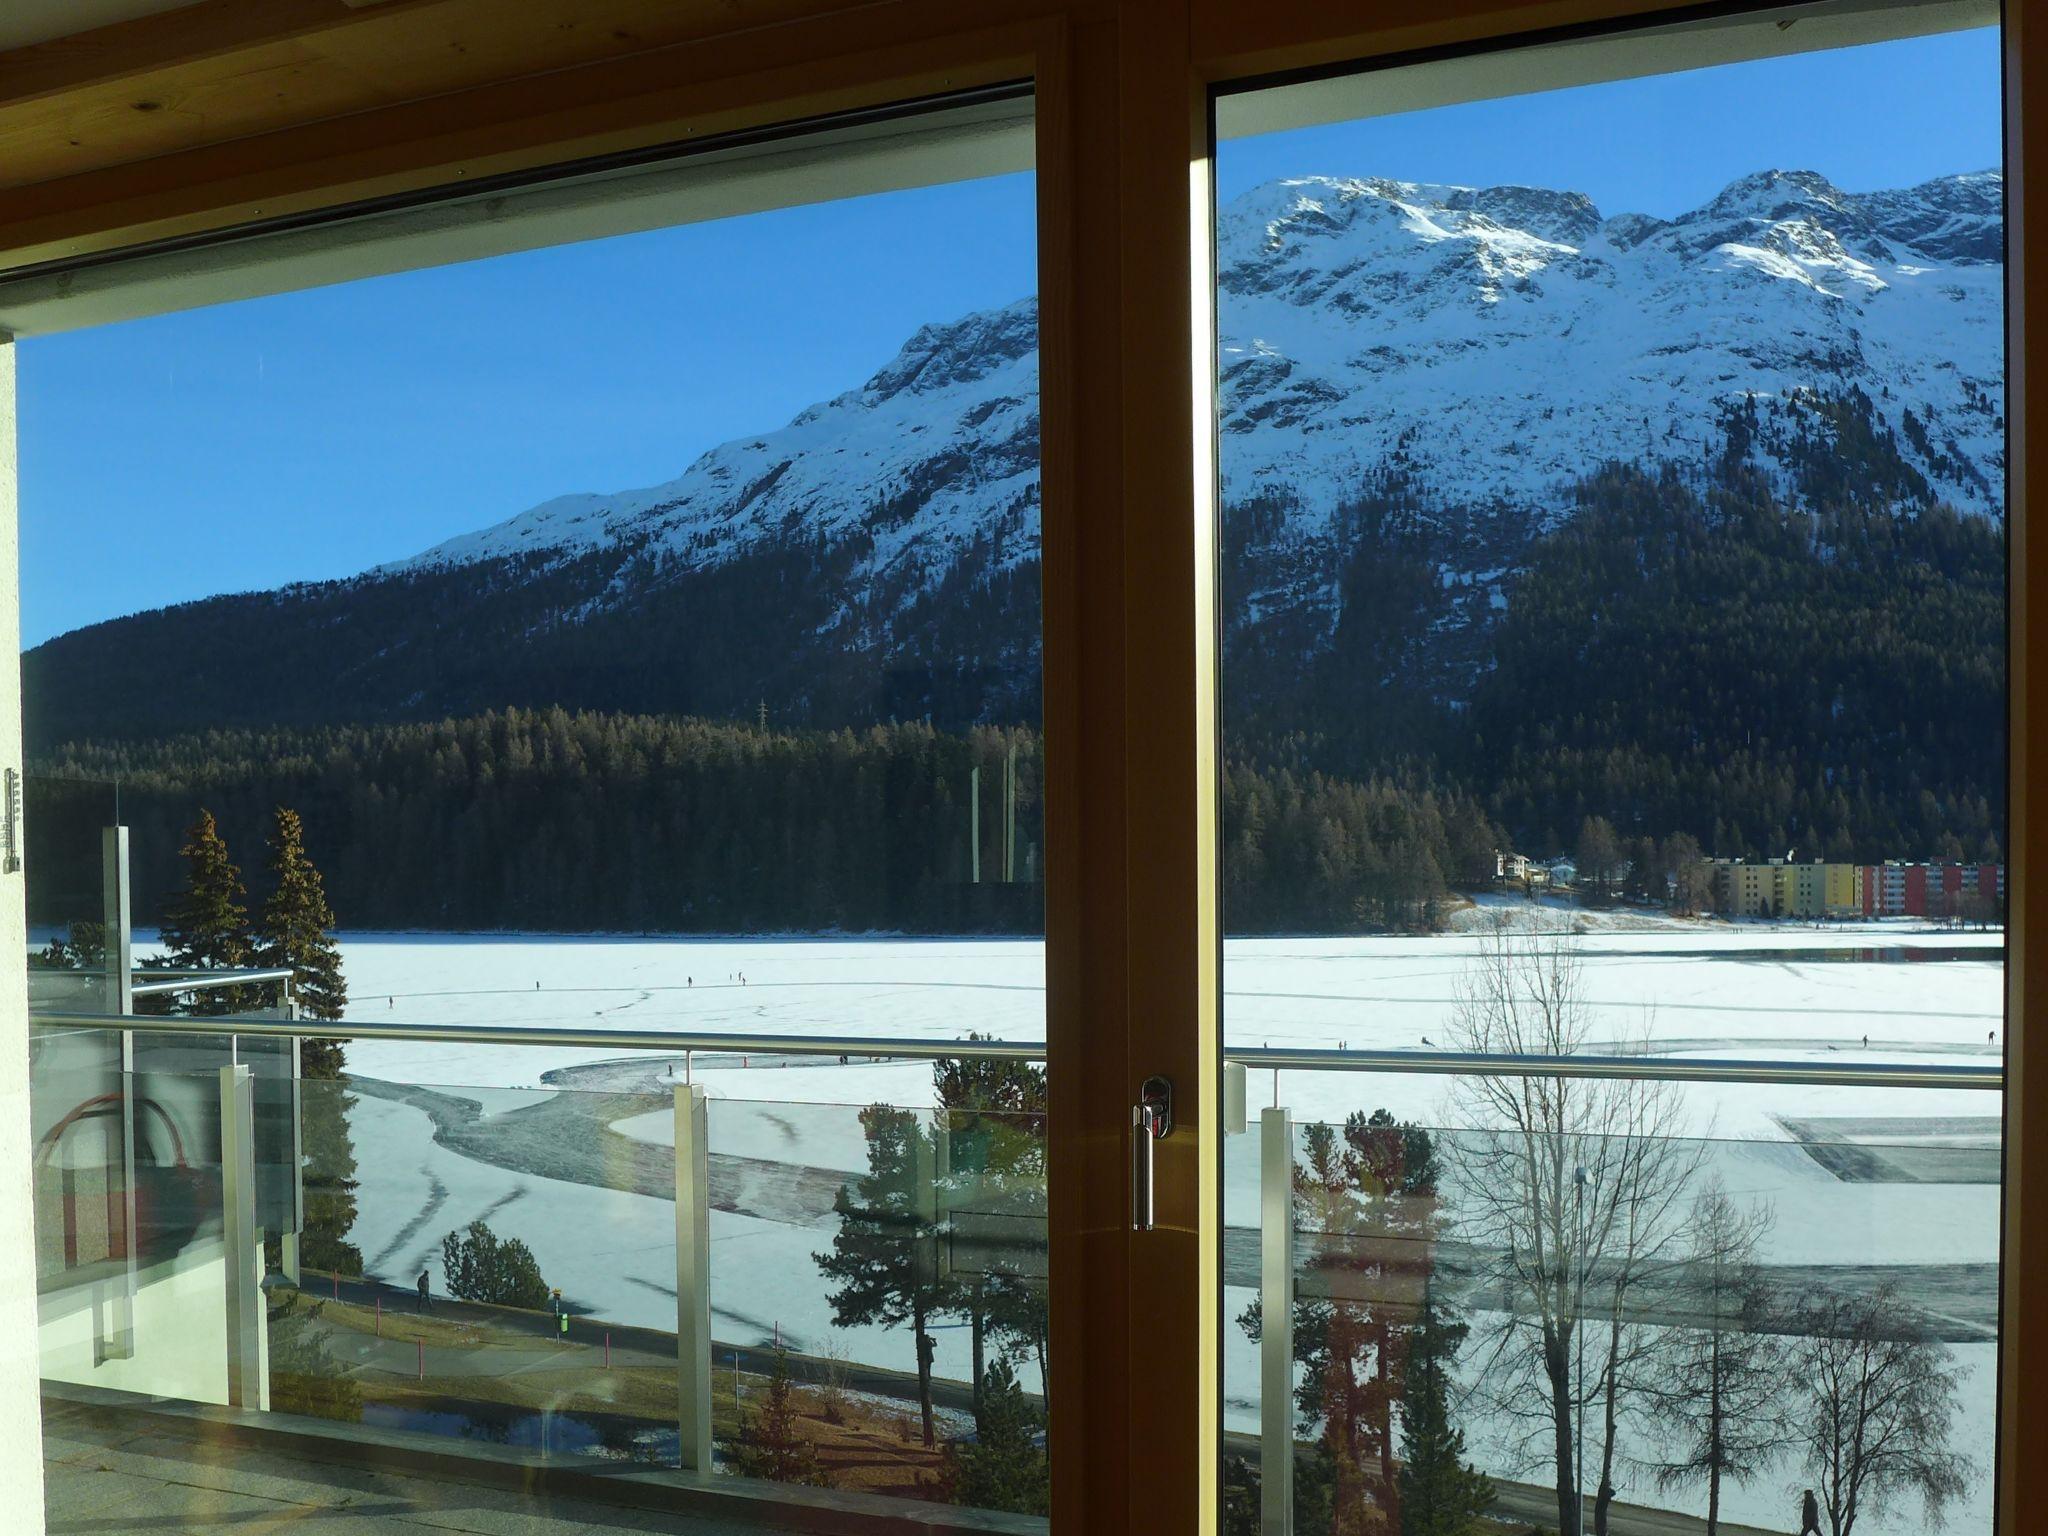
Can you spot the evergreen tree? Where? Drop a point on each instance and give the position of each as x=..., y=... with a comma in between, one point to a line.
x=305, y=1377
x=1242, y=1488
x=1005, y=1468
x=293, y=933
x=205, y=926
x=294, y=929
x=1441, y=1493
x=1371, y=1200
x=994, y=1113
x=329, y=1153
x=478, y=1265
x=770, y=1445
x=81, y=947
x=885, y=1253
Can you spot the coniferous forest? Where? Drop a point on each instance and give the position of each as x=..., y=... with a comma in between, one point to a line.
x=1694, y=655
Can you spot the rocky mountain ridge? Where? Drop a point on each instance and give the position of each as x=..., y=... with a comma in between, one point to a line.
x=1445, y=362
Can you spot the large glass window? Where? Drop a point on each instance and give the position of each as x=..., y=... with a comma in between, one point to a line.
x=613, y=610
x=1613, y=601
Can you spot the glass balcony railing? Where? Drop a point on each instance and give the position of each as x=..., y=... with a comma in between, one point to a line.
x=1579, y=1292
x=837, y=1307
x=1569, y=1302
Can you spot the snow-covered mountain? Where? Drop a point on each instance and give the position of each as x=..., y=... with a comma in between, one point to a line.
x=1493, y=344
x=940, y=444
x=1414, y=381
x=1505, y=340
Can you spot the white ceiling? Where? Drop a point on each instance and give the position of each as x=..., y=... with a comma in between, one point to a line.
x=37, y=21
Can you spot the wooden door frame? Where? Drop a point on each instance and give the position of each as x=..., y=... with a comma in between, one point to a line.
x=1126, y=400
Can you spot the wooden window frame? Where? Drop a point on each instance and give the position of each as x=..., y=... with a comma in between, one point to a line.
x=1123, y=88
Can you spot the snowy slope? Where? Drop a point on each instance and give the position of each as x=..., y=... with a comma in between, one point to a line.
x=1495, y=343
x=943, y=441
x=1505, y=341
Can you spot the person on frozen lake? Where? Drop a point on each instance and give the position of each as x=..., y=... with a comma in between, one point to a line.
x=1809, y=1515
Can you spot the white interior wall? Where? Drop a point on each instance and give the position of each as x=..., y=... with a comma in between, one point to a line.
x=180, y=1338
x=21, y=1425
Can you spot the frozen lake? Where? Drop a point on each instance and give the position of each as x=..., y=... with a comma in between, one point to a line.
x=1695, y=989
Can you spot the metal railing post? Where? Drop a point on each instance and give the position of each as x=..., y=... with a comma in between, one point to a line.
x=1276, y=1322
x=288, y=1240
x=119, y=937
x=693, y=1280
x=242, y=1241
x=119, y=959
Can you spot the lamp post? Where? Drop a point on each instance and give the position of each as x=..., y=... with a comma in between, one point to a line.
x=1579, y=1181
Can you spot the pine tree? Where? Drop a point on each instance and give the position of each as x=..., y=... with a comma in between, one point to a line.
x=1441, y=1494
x=1005, y=1468
x=293, y=933
x=294, y=929
x=1371, y=1198
x=329, y=1151
x=995, y=1120
x=205, y=926
x=885, y=1253
x=770, y=1446
x=478, y=1265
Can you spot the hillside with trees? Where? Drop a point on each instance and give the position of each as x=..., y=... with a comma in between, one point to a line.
x=1698, y=657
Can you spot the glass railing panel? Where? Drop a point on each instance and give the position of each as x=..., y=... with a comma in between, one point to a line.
x=483, y=1264
x=69, y=822
x=855, y=1294
x=878, y=1295
x=1575, y=1304
x=132, y=1264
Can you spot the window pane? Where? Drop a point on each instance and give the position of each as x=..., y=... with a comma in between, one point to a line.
x=634, y=633
x=1614, y=560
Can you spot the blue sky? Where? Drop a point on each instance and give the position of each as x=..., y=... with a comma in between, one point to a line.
x=1887, y=115
x=313, y=435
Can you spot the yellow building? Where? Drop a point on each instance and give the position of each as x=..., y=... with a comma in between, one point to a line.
x=1777, y=888
x=1842, y=889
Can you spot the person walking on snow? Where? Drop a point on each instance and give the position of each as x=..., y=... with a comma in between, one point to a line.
x=1809, y=1515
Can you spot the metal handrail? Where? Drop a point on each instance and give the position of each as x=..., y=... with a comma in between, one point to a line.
x=662, y=1040
x=173, y=981
x=202, y=972
x=1638, y=1067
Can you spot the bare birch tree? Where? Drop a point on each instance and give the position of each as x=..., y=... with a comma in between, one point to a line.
x=1880, y=1400
x=1571, y=1193
x=1719, y=1387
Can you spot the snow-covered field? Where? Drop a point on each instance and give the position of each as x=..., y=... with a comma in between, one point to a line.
x=1699, y=990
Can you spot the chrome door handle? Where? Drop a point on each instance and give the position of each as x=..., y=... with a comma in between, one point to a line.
x=1151, y=1121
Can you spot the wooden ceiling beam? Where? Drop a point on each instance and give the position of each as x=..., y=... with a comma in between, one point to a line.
x=165, y=41
x=226, y=70
x=840, y=59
